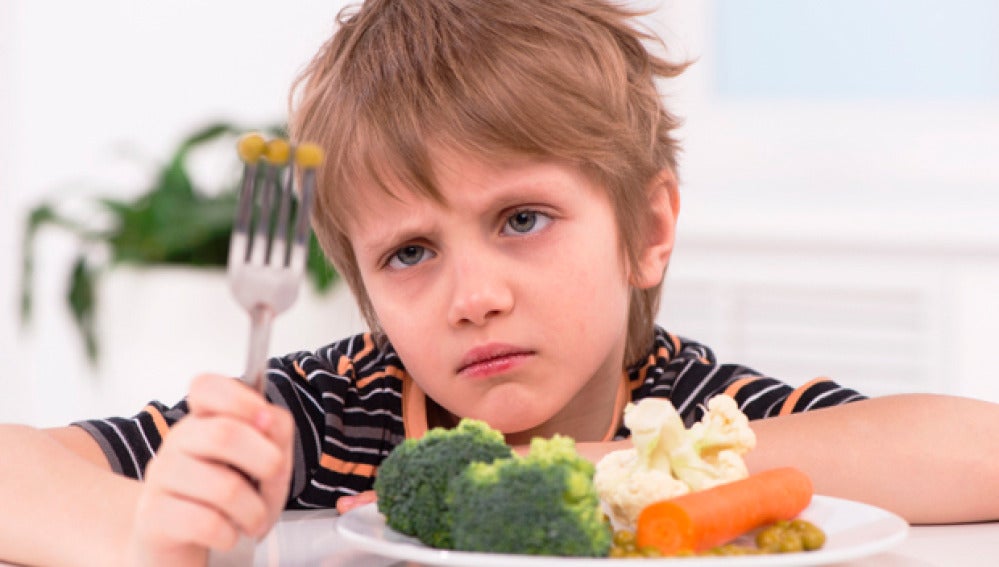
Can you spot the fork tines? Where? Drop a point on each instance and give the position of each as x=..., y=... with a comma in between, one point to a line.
x=268, y=251
x=263, y=232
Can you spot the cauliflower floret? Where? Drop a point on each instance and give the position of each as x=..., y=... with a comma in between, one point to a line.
x=668, y=460
x=626, y=487
x=699, y=473
x=724, y=425
x=628, y=480
x=656, y=429
x=712, y=453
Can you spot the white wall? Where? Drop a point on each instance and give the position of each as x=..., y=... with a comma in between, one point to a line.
x=877, y=190
x=91, y=93
x=11, y=210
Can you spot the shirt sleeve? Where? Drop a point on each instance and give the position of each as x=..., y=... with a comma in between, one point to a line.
x=130, y=443
x=344, y=399
x=689, y=375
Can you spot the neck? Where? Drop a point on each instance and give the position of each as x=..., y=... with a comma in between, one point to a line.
x=586, y=418
x=437, y=416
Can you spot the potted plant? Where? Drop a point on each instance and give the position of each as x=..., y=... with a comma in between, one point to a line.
x=172, y=223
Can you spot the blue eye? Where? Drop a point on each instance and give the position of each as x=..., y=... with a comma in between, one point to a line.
x=526, y=221
x=408, y=256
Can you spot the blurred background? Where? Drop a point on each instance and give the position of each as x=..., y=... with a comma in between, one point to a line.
x=838, y=180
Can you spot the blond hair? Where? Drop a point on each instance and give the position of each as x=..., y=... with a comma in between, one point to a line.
x=564, y=80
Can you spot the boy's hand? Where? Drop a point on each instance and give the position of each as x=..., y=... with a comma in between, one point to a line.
x=222, y=471
x=345, y=504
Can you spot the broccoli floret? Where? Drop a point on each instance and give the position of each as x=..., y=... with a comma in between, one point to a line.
x=541, y=504
x=412, y=481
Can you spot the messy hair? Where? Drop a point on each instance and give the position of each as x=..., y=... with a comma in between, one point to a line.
x=568, y=80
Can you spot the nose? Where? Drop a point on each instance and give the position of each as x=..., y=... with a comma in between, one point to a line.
x=480, y=292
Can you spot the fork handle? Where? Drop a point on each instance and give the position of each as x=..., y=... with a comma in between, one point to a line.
x=261, y=317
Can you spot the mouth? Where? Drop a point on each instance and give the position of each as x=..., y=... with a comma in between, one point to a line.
x=490, y=360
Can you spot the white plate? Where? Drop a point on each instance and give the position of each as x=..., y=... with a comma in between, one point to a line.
x=852, y=530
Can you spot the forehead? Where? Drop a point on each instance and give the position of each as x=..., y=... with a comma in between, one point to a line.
x=386, y=185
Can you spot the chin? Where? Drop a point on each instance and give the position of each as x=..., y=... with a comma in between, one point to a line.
x=509, y=422
x=510, y=409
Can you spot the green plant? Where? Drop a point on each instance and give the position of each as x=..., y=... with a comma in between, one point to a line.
x=172, y=223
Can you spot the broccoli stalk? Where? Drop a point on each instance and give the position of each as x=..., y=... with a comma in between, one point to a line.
x=412, y=481
x=541, y=504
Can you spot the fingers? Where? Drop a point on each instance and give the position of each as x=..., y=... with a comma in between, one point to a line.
x=220, y=395
x=213, y=395
x=229, y=441
x=221, y=490
x=347, y=503
x=199, y=478
x=185, y=521
x=279, y=427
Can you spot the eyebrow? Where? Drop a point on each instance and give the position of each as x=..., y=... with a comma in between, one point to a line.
x=508, y=195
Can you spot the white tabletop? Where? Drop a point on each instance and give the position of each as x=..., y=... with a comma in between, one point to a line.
x=310, y=538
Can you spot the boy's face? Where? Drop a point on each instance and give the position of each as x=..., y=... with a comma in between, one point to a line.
x=510, y=303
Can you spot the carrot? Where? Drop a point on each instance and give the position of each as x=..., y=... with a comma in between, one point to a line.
x=707, y=518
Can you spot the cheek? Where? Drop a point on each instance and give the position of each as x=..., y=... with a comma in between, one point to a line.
x=408, y=324
x=600, y=269
x=389, y=297
x=398, y=318
x=591, y=295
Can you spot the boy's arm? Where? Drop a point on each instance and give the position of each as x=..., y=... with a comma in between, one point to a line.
x=929, y=458
x=62, y=504
x=78, y=441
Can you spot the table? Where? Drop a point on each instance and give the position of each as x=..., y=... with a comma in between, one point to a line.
x=304, y=538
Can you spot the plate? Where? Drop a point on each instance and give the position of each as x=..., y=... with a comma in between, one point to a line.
x=852, y=530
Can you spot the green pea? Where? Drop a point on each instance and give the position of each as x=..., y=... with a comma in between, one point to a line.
x=768, y=537
x=800, y=525
x=729, y=550
x=790, y=542
x=624, y=537
x=650, y=551
x=813, y=538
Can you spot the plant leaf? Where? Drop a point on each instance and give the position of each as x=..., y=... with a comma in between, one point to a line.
x=170, y=223
x=39, y=217
x=173, y=181
x=81, y=298
x=207, y=134
x=322, y=274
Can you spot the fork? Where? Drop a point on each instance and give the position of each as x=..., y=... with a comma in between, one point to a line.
x=268, y=248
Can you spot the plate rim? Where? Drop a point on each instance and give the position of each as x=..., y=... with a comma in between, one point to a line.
x=410, y=549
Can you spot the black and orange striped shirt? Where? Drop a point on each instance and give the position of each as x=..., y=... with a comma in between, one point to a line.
x=353, y=402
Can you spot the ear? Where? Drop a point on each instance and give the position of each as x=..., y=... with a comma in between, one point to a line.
x=664, y=206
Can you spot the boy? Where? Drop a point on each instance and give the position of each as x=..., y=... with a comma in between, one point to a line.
x=500, y=195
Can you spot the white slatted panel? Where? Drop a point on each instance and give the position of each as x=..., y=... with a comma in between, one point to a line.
x=877, y=330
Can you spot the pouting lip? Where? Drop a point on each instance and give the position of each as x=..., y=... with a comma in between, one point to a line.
x=488, y=352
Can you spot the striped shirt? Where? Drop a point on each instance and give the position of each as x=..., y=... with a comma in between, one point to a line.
x=353, y=402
